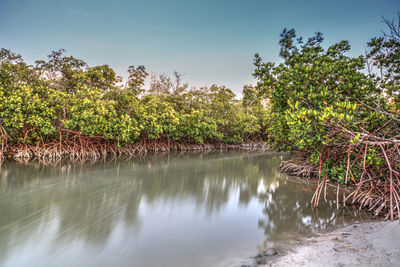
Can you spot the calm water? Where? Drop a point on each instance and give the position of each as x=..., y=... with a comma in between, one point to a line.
x=216, y=209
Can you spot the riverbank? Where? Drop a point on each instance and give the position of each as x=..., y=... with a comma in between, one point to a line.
x=91, y=148
x=360, y=244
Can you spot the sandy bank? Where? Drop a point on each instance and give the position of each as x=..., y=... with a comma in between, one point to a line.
x=365, y=244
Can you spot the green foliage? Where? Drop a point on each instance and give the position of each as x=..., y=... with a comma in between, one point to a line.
x=27, y=113
x=136, y=79
x=63, y=95
x=323, y=101
x=312, y=89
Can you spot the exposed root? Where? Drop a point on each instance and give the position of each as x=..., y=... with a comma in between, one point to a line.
x=377, y=187
x=78, y=146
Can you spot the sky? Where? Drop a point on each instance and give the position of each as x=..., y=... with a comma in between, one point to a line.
x=208, y=41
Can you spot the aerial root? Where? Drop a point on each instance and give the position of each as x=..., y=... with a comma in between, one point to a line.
x=377, y=187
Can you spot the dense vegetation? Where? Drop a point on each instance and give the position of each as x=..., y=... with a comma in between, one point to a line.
x=339, y=115
x=62, y=107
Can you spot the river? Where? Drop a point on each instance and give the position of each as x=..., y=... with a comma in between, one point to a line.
x=180, y=209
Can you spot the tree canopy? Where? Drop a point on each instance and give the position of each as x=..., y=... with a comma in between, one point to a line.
x=337, y=114
x=63, y=97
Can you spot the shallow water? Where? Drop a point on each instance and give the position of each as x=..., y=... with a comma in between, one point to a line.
x=190, y=209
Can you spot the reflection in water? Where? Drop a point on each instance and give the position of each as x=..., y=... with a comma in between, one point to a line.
x=161, y=210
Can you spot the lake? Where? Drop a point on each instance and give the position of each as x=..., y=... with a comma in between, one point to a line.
x=180, y=209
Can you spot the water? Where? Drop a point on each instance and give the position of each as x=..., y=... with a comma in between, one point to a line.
x=191, y=209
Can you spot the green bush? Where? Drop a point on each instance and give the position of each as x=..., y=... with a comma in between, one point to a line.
x=62, y=96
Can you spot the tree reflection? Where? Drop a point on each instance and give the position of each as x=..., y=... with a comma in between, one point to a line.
x=88, y=199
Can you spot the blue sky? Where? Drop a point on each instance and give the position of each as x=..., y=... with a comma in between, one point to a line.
x=208, y=41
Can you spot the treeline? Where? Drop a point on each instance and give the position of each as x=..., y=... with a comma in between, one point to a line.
x=339, y=115
x=62, y=107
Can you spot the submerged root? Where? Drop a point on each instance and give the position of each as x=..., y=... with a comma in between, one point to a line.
x=374, y=195
x=376, y=187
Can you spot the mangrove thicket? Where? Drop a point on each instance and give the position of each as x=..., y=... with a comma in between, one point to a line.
x=61, y=107
x=338, y=115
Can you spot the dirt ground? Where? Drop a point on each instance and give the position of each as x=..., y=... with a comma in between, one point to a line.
x=363, y=244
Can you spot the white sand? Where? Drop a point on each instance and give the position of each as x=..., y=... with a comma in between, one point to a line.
x=365, y=244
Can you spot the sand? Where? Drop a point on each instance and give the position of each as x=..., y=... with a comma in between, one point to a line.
x=363, y=244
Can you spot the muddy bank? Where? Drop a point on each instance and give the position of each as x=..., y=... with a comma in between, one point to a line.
x=360, y=244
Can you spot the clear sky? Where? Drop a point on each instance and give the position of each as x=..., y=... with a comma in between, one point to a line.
x=208, y=41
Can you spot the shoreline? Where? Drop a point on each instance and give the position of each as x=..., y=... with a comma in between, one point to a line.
x=58, y=151
x=360, y=244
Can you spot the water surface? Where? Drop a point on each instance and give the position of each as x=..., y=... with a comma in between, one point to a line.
x=190, y=209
